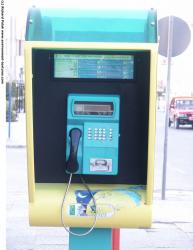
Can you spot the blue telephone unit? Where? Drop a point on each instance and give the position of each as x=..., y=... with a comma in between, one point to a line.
x=92, y=134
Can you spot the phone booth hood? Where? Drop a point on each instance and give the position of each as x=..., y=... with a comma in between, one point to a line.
x=124, y=199
x=133, y=26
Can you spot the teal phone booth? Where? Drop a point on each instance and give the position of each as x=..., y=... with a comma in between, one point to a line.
x=90, y=104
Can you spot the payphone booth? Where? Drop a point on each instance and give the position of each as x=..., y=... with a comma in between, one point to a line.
x=90, y=102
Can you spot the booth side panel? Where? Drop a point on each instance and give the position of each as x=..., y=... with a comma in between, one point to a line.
x=152, y=125
x=29, y=121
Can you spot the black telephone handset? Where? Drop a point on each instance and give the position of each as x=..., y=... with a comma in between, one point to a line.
x=72, y=164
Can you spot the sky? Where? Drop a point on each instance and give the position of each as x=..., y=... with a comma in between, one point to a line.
x=171, y=6
x=181, y=70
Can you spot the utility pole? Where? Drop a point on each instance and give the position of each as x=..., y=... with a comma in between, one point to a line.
x=169, y=58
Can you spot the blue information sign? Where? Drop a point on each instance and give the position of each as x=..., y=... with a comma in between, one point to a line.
x=93, y=66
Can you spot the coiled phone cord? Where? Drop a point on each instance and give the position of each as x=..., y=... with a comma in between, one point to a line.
x=62, y=206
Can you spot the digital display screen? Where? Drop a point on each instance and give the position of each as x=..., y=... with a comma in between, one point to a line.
x=93, y=108
x=93, y=66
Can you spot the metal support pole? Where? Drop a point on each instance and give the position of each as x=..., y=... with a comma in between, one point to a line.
x=9, y=109
x=98, y=239
x=165, y=150
x=115, y=239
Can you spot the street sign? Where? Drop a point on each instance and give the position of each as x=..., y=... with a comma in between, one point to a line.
x=181, y=36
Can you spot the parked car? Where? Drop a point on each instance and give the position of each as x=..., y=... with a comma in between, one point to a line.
x=181, y=111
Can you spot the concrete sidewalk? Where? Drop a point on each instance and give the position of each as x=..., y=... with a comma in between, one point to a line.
x=172, y=219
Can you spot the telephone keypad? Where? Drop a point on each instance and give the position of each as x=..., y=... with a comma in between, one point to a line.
x=101, y=134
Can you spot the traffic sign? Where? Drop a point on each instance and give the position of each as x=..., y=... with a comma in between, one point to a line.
x=181, y=36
